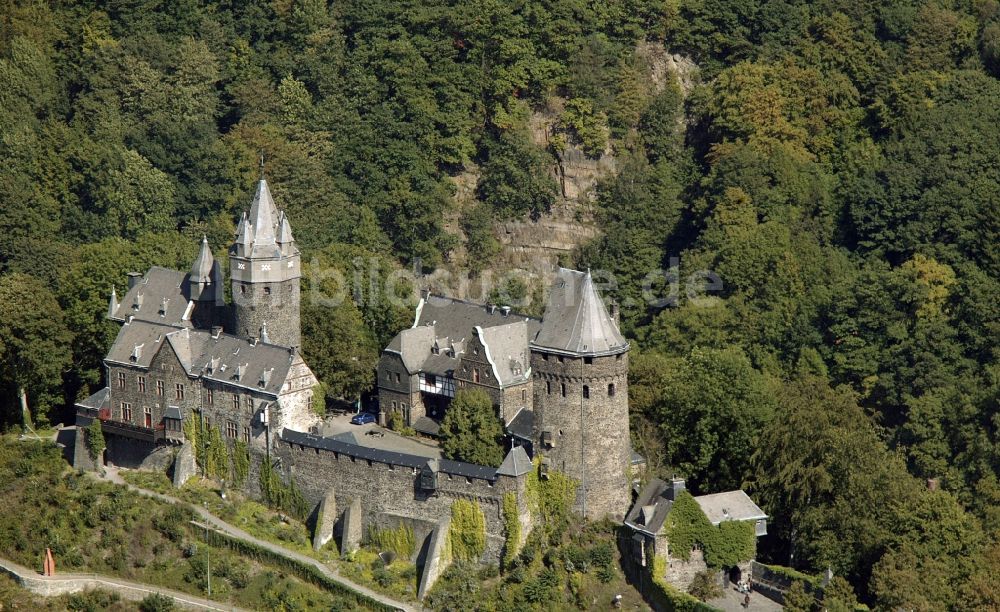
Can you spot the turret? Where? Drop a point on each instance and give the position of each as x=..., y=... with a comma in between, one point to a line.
x=265, y=272
x=579, y=360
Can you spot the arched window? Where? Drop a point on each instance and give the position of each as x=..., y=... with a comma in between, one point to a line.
x=611, y=390
x=548, y=387
x=586, y=392
x=563, y=388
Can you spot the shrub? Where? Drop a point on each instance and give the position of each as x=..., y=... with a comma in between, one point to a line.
x=95, y=439
x=156, y=602
x=704, y=586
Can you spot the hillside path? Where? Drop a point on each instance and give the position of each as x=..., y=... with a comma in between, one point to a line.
x=63, y=584
x=111, y=474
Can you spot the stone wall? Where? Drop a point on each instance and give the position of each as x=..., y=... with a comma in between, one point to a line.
x=277, y=303
x=391, y=493
x=681, y=573
x=590, y=435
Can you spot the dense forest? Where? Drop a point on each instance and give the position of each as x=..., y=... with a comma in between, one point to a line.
x=835, y=163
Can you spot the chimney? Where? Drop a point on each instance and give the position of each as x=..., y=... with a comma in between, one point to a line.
x=505, y=310
x=216, y=331
x=674, y=488
x=133, y=279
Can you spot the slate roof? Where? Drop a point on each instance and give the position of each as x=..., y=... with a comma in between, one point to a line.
x=98, y=400
x=652, y=507
x=225, y=358
x=456, y=468
x=137, y=342
x=448, y=324
x=427, y=425
x=172, y=412
x=522, y=425
x=145, y=299
x=576, y=321
x=262, y=232
x=731, y=505
x=204, y=267
x=640, y=517
x=515, y=463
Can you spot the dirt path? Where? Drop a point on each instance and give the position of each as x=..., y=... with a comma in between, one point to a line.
x=112, y=475
x=62, y=584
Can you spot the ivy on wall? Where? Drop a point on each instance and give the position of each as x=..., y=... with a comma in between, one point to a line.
x=279, y=495
x=241, y=463
x=467, y=536
x=726, y=545
x=550, y=499
x=399, y=540
x=512, y=522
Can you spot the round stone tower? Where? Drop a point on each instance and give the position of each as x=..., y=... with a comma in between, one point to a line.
x=264, y=268
x=579, y=361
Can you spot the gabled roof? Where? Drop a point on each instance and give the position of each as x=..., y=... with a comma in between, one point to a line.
x=98, y=400
x=576, y=321
x=224, y=358
x=522, y=425
x=729, y=506
x=443, y=327
x=146, y=299
x=142, y=335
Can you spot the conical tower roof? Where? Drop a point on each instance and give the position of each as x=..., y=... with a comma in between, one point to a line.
x=113, y=303
x=576, y=321
x=201, y=270
x=263, y=215
x=284, y=230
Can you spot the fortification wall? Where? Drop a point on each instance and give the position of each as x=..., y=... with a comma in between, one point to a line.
x=391, y=493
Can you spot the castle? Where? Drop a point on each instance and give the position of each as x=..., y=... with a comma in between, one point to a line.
x=559, y=384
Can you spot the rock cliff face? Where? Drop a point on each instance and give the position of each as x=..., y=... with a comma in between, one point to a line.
x=536, y=245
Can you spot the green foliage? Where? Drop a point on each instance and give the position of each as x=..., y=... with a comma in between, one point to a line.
x=279, y=495
x=725, y=545
x=551, y=501
x=467, y=535
x=399, y=540
x=156, y=602
x=471, y=431
x=704, y=586
x=95, y=439
x=241, y=463
x=512, y=529
x=216, y=454
x=589, y=127
x=798, y=599
x=515, y=179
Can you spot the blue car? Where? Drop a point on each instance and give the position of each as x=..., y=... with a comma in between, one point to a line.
x=363, y=418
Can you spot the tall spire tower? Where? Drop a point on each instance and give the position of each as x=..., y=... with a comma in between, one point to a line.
x=265, y=270
x=579, y=360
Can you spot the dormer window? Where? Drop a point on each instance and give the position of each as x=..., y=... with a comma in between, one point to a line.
x=163, y=307
x=137, y=304
x=240, y=371
x=136, y=353
x=265, y=378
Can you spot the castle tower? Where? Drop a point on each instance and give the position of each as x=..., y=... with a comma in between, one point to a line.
x=579, y=361
x=205, y=287
x=264, y=268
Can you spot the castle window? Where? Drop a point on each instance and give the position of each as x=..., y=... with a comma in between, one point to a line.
x=586, y=392
x=562, y=389
x=210, y=396
x=430, y=379
x=618, y=357
x=246, y=434
x=588, y=360
x=179, y=391
x=142, y=384
x=230, y=429
x=475, y=375
x=394, y=404
x=548, y=388
x=545, y=357
x=560, y=359
x=388, y=376
x=267, y=291
x=147, y=416
x=243, y=289
x=524, y=395
x=121, y=380
x=159, y=387
x=126, y=411
x=249, y=403
x=236, y=402
x=397, y=376
x=611, y=390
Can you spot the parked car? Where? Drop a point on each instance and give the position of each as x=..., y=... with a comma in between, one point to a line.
x=363, y=418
